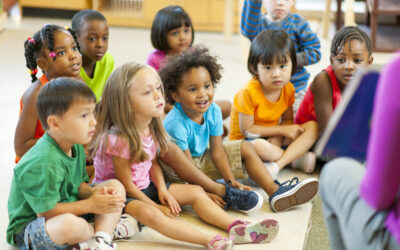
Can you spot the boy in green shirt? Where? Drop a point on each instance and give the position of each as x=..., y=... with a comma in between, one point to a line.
x=50, y=195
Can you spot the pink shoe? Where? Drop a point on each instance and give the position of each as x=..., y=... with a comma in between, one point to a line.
x=260, y=232
x=219, y=243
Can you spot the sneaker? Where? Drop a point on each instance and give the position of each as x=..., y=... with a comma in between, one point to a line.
x=98, y=242
x=272, y=168
x=292, y=193
x=219, y=243
x=127, y=227
x=261, y=232
x=242, y=200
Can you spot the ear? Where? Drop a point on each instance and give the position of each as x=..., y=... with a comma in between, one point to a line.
x=175, y=96
x=42, y=63
x=331, y=59
x=53, y=121
x=370, y=60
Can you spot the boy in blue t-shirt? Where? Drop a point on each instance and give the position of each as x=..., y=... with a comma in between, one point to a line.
x=50, y=195
x=195, y=124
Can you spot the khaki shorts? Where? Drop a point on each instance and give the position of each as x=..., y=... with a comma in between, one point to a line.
x=206, y=165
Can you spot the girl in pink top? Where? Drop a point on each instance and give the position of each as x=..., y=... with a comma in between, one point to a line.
x=130, y=141
x=172, y=33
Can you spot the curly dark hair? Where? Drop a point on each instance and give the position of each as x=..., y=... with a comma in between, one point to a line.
x=195, y=57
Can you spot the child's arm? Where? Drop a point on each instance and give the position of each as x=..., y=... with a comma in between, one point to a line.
x=164, y=195
x=321, y=88
x=26, y=126
x=220, y=159
x=251, y=19
x=310, y=46
x=250, y=130
x=100, y=201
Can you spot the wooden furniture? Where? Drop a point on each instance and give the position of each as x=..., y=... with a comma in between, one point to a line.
x=56, y=4
x=384, y=7
x=206, y=15
x=349, y=18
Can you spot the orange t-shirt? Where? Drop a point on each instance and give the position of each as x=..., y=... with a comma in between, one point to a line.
x=39, y=128
x=250, y=100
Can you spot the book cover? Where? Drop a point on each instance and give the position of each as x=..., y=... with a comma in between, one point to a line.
x=347, y=132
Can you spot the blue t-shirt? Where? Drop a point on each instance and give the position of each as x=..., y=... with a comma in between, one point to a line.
x=190, y=135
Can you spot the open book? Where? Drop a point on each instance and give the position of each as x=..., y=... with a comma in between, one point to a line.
x=347, y=132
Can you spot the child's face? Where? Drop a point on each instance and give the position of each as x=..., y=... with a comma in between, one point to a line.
x=93, y=39
x=277, y=9
x=145, y=95
x=68, y=59
x=77, y=125
x=195, y=93
x=276, y=75
x=345, y=64
x=179, y=39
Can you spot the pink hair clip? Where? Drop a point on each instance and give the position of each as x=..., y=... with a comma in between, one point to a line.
x=31, y=40
x=52, y=54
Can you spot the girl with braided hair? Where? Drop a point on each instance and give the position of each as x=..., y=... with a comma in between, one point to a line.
x=55, y=51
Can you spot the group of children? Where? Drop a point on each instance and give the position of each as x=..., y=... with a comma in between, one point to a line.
x=145, y=153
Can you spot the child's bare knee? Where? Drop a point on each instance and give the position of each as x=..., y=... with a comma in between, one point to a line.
x=117, y=186
x=70, y=226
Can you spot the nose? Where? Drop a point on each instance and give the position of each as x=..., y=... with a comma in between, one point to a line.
x=349, y=65
x=93, y=120
x=99, y=43
x=275, y=73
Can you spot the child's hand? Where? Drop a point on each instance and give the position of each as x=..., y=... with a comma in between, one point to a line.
x=292, y=131
x=240, y=186
x=167, y=199
x=166, y=211
x=217, y=199
x=105, y=201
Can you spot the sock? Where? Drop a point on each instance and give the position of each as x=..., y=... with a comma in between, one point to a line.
x=104, y=235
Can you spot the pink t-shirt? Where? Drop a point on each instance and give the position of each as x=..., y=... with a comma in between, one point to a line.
x=117, y=146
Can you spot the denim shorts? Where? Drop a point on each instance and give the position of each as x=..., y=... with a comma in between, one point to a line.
x=34, y=236
x=151, y=192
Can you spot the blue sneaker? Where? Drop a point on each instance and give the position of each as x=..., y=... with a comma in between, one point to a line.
x=292, y=194
x=242, y=200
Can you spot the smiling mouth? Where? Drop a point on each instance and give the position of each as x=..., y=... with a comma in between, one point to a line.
x=202, y=104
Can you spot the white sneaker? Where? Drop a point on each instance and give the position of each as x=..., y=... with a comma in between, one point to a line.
x=98, y=242
x=272, y=168
x=127, y=227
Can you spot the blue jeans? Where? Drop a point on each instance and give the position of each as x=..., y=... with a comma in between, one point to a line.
x=34, y=236
x=351, y=223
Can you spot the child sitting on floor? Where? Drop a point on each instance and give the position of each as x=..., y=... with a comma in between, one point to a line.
x=195, y=122
x=50, y=198
x=131, y=138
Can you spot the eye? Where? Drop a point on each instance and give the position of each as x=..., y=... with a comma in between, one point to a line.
x=187, y=30
x=192, y=89
x=75, y=47
x=207, y=86
x=105, y=38
x=84, y=115
x=282, y=66
x=92, y=39
x=159, y=87
x=61, y=53
x=358, y=61
x=340, y=60
x=267, y=67
x=174, y=33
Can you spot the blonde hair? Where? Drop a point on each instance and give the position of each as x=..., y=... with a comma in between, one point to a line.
x=115, y=110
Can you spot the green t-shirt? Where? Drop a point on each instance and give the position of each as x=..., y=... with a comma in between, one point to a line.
x=43, y=177
x=102, y=71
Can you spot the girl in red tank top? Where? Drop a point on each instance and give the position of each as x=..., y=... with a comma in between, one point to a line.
x=350, y=49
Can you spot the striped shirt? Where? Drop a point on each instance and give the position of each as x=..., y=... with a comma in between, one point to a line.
x=305, y=41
